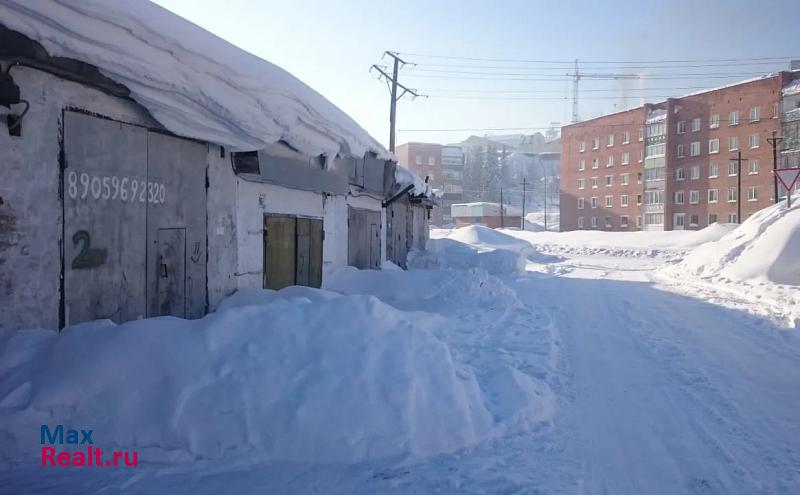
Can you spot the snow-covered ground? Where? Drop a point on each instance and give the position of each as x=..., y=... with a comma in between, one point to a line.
x=505, y=362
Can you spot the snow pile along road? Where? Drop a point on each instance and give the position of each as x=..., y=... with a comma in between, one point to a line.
x=301, y=374
x=765, y=248
x=325, y=378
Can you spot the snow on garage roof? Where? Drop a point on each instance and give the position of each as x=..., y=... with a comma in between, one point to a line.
x=193, y=82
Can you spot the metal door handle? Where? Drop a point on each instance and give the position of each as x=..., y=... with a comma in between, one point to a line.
x=163, y=270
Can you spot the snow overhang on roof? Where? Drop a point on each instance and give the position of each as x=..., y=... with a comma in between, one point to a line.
x=791, y=89
x=195, y=84
x=404, y=178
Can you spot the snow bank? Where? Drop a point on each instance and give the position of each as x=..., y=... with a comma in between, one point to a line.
x=766, y=247
x=594, y=242
x=454, y=254
x=194, y=83
x=326, y=378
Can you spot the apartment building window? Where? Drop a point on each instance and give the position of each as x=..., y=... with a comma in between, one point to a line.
x=581, y=165
x=733, y=169
x=626, y=137
x=638, y=199
x=713, y=146
x=610, y=140
x=595, y=163
x=752, y=167
x=594, y=222
x=753, y=141
x=733, y=143
x=712, y=218
x=713, y=195
x=732, y=218
x=418, y=160
x=594, y=182
x=608, y=223
x=641, y=134
x=431, y=161
x=582, y=146
x=755, y=114
x=713, y=170
x=679, y=173
x=580, y=222
x=639, y=178
x=696, y=124
x=609, y=180
x=594, y=202
x=732, y=195
x=638, y=221
x=580, y=203
x=681, y=152
x=626, y=158
x=623, y=221
x=775, y=111
x=681, y=126
x=654, y=150
x=678, y=197
x=694, y=148
x=610, y=161
x=713, y=123
x=654, y=197
x=694, y=197
x=694, y=220
x=733, y=118
x=654, y=218
x=679, y=220
x=596, y=143
x=651, y=174
x=581, y=183
x=695, y=172
x=752, y=193
x=624, y=179
x=641, y=156
x=609, y=201
x=623, y=200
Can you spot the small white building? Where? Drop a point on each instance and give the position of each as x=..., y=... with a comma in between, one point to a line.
x=151, y=168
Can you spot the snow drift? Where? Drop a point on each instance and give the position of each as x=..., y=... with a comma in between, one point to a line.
x=766, y=247
x=339, y=379
x=192, y=82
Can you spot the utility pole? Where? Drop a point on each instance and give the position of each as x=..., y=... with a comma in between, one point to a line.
x=739, y=161
x=775, y=141
x=524, y=190
x=393, y=85
x=544, y=178
x=502, y=213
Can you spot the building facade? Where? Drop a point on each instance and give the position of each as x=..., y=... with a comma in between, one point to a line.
x=490, y=215
x=602, y=163
x=452, y=180
x=683, y=155
x=425, y=160
x=107, y=214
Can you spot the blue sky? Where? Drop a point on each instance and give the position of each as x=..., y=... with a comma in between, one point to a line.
x=331, y=45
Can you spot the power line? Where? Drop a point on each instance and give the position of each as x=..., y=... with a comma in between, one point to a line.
x=686, y=61
x=568, y=67
x=637, y=76
x=555, y=77
x=511, y=91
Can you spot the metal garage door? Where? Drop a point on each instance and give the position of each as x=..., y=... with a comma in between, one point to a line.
x=134, y=222
x=292, y=251
x=363, y=238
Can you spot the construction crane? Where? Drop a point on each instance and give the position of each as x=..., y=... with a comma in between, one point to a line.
x=577, y=75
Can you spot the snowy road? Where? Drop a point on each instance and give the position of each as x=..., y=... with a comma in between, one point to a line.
x=672, y=394
x=657, y=393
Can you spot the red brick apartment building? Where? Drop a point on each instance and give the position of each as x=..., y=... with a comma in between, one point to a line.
x=668, y=166
x=425, y=160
